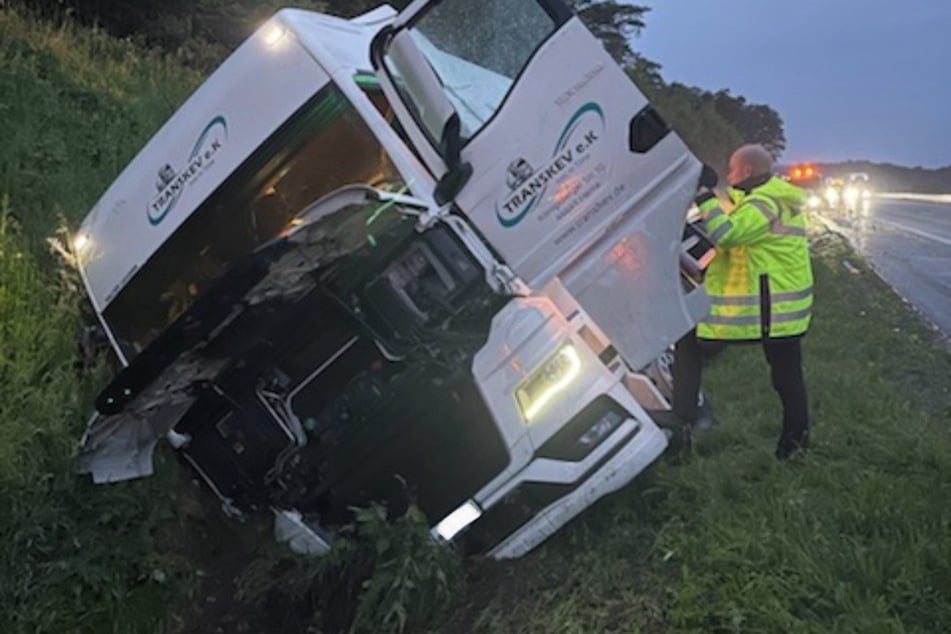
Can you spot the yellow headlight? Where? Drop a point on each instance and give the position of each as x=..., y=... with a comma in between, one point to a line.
x=553, y=376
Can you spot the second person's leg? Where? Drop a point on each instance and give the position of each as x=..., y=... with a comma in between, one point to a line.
x=785, y=363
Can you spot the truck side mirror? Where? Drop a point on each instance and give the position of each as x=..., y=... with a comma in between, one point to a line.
x=424, y=91
x=424, y=88
x=451, y=147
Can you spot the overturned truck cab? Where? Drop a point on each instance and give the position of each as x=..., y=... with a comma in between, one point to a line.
x=419, y=256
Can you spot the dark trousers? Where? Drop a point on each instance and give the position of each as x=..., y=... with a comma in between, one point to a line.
x=785, y=364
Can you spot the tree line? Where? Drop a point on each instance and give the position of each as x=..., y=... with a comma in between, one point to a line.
x=202, y=32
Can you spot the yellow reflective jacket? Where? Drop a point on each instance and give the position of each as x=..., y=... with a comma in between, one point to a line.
x=761, y=278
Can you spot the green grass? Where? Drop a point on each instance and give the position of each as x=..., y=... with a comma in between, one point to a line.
x=857, y=538
x=74, y=107
x=73, y=558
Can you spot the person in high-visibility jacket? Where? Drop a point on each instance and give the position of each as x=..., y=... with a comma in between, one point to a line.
x=760, y=283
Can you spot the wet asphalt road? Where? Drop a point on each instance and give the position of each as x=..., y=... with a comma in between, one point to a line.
x=909, y=244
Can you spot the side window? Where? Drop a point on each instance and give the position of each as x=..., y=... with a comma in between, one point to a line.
x=478, y=48
x=322, y=147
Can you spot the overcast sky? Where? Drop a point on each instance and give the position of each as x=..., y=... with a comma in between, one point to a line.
x=852, y=79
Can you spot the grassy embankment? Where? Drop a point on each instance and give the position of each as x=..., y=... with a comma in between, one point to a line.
x=857, y=539
x=74, y=107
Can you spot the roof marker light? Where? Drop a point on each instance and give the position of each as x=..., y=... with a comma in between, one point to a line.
x=80, y=242
x=274, y=34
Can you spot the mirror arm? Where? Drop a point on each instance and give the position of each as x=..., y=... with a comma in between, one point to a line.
x=458, y=173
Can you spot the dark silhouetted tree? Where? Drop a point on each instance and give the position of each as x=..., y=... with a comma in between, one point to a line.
x=614, y=23
x=756, y=123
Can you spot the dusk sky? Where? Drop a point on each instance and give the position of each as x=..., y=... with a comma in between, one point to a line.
x=852, y=79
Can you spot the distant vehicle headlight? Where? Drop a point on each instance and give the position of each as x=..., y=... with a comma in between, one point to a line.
x=553, y=376
x=851, y=195
x=813, y=202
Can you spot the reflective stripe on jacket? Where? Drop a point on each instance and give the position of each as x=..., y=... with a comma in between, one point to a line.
x=761, y=279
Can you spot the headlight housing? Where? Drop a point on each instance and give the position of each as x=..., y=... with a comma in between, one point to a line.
x=551, y=377
x=459, y=519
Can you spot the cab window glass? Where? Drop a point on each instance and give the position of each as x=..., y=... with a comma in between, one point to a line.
x=478, y=48
x=323, y=147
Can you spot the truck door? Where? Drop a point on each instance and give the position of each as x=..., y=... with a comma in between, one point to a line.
x=537, y=136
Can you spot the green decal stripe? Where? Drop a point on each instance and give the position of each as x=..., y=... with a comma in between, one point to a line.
x=154, y=221
x=219, y=120
x=574, y=121
x=511, y=222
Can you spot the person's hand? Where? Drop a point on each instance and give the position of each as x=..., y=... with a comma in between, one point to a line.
x=708, y=180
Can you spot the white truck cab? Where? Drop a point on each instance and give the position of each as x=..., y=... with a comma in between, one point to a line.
x=406, y=257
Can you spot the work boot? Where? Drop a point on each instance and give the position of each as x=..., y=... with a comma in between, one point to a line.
x=790, y=448
x=678, y=431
